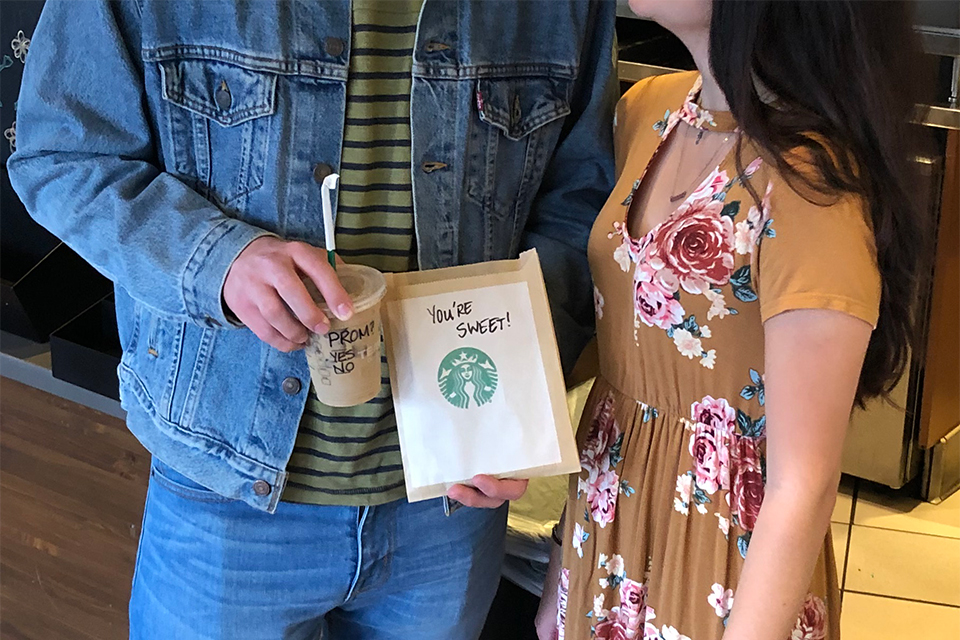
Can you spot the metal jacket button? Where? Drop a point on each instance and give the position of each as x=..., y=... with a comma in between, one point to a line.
x=223, y=97
x=262, y=488
x=433, y=47
x=291, y=386
x=333, y=46
x=320, y=171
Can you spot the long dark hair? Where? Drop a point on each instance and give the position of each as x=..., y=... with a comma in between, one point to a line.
x=835, y=80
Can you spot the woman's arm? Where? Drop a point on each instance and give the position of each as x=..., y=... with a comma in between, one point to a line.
x=813, y=361
x=546, y=621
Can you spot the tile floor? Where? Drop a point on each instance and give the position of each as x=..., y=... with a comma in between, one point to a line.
x=899, y=563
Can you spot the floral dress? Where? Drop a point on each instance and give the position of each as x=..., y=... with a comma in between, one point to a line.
x=673, y=438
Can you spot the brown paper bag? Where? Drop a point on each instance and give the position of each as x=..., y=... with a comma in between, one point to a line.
x=476, y=376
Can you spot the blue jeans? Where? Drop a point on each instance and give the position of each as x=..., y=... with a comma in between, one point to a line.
x=211, y=568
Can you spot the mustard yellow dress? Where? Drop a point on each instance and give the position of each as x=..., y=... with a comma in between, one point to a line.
x=673, y=438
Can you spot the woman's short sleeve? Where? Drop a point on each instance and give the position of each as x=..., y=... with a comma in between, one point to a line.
x=817, y=257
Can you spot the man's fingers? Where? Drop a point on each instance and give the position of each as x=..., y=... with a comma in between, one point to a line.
x=504, y=489
x=472, y=498
x=313, y=262
x=296, y=296
x=489, y=493
x=265, y=331
x=274, y=311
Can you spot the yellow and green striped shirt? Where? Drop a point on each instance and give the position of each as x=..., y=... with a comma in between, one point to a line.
x=351, y=456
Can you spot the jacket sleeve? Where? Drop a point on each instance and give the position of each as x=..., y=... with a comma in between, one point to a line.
x=86, y=166
x=577, y=183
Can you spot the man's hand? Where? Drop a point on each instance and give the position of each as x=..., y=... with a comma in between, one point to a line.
x=264, y=290
x=489, y=493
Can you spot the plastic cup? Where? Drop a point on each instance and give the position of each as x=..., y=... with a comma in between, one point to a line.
x=345, y=362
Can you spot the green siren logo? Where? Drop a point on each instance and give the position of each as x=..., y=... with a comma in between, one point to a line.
x=467, y=374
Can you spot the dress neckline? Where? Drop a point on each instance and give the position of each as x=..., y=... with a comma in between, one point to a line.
x=696, y=116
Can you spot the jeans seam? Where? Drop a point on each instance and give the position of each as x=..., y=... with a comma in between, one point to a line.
x=143, y=522
x=365, y=511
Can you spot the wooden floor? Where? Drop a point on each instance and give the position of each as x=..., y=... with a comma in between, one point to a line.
x=72, y=484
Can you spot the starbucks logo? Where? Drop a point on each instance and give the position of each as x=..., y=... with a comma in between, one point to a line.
x=467, y=375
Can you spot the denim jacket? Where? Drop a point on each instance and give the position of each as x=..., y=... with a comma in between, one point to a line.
x=158, y=138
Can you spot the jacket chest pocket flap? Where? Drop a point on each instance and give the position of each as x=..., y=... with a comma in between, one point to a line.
x=220, y=123
x=520, y=121
x=518, y=106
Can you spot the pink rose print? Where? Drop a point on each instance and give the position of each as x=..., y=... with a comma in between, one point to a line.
x=696, y=245
x=711, y=186
x=695, y=115
x=748, y=488
x=604, y=431
x=563, y=588
x=723, y=524
x=630, y=618
x=750, y=231
x=716, y=414
x=752, y=168
x=718, y=420
x=744, y=237
x=633, y=604
x=602, y=484
x=656, y=307
x=670, y=633
x=650, y=628
x=611, y=629
x=812, y=622
x=721, y=600
x=685, y=487
x=703, y=449
x=580, y=536
x=602, y=495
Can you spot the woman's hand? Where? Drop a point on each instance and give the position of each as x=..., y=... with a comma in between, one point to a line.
x=488, y=492
x=546, y=621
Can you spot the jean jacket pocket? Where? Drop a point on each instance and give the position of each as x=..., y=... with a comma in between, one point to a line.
x=220, y=117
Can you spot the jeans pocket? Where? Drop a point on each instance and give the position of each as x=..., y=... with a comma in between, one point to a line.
x=181, y=486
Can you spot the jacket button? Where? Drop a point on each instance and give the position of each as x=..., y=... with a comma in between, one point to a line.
x=223, y=97
x=261, y=488
x=320, y=171
x=291, y=386
x=333, y=46
x=434, y=47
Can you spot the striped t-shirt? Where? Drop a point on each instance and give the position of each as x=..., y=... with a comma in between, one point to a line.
x=351, y=456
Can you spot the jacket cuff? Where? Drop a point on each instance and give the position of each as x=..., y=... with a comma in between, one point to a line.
x=206, y=271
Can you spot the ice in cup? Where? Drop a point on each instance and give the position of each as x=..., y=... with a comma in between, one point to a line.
x=345, y=362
